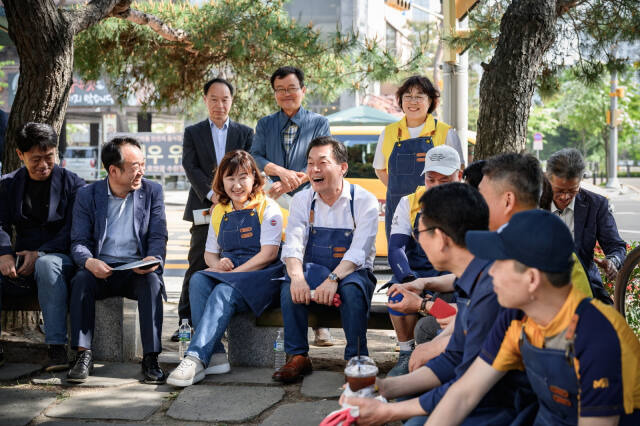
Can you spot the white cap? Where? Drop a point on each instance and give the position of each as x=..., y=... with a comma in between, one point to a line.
x=442, y=159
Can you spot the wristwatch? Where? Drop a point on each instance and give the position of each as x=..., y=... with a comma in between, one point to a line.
x=423, y=308
x=333, y=277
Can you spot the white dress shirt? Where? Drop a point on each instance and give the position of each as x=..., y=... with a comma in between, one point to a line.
x=219, y=143
x=362, y=251
x=566, y=215
x=401, y=223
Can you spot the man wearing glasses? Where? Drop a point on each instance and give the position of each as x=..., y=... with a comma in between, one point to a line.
x=281, y=141
x=118, y=220
x=588, y=217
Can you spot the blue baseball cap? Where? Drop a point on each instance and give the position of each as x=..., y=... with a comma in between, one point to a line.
x=536, y=238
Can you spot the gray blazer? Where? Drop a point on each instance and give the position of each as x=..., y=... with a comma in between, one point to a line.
x=199, y=159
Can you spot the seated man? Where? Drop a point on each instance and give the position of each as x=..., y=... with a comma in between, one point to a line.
x=441, y=235
x=408, y=261
x=579, y=354
x=588, y=217
x=329, y=247
x=36, y=200
x=115, y=221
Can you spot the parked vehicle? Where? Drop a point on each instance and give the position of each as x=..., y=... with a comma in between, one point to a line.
x=82, y=160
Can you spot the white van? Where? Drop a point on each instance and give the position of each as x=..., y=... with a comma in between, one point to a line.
x=82, y=160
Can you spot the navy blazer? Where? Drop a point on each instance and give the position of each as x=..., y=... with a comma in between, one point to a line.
x=592, y=221
x=199, y=159
x=88, y=230
x=53, y=236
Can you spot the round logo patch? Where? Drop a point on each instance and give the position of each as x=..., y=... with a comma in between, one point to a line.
x=273, y=222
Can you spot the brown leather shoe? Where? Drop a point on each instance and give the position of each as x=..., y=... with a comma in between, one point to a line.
x=292, y=371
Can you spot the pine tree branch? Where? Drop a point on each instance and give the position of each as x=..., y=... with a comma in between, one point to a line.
x=82, y=18
x=157, y=25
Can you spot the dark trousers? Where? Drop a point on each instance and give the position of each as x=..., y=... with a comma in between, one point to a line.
x=196, y=263
x=146, y=289
x=24, y=287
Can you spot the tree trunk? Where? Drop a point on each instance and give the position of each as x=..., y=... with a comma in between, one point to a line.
x=527, y=30
x=44, y=41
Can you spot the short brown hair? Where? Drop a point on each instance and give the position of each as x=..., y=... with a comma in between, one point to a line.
x=424, y=85
x=232, y=162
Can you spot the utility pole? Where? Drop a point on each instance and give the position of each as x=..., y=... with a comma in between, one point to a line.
x=612, y=157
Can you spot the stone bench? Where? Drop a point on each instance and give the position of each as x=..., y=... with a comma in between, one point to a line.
x=117, y=333
x=251, y=339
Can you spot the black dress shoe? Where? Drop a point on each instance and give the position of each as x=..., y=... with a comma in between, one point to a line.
x=175, y=337
x=58, y=360
x=82, y=367
x=153, y=374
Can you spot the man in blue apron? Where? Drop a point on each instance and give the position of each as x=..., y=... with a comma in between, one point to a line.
x=579, y=354
x=441, y=235
x=408, y=262
x=329, y=248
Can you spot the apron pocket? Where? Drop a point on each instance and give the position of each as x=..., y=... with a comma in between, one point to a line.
x=405, y=165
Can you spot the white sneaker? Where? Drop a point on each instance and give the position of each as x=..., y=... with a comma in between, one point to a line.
x=188, y=372
x=218, y=365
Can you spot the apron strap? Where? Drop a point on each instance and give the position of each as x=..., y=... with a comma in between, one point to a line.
x=313, y=206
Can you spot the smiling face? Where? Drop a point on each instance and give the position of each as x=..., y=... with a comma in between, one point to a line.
x=564, y=190
x=325, y=173
x=39, y=162
x=238, y=186
x=218, y=101
x=433, y=179
x=289, y=94
x=415, y=104
x=129, y=178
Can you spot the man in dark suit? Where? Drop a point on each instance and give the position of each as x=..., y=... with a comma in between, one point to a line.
x=588, y=217
x=116, y=221
x=203, y=147
x=36, y=201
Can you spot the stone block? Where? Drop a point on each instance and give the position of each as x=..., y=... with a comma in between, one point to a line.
x=301, y=413
x=223, y=403
x=105, y=375
x=20, y=406
x=117, y=331
x=323, y=384
x=13, y=371
x=249, y=345
x=135, y=402
x=244, y=375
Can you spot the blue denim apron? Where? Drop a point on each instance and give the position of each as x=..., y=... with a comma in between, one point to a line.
x=404, y=168
x=553, y=378
x=418, y=260
x=324, y=251
x=239, y=239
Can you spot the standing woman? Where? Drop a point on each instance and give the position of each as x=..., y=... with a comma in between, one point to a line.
x=242, y=254
x=402, y=146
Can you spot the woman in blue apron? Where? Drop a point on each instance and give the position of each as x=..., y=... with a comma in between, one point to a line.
x=402, y=146
x=242, y=254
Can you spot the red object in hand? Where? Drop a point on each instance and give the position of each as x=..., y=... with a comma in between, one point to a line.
x=336, y=300
x=441, y=309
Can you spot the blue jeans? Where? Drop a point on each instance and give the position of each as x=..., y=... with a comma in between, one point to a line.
x=212, y=306
x=52, y=273
x=353, y=312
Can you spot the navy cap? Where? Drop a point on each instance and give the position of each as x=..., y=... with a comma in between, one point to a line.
x=535, y=238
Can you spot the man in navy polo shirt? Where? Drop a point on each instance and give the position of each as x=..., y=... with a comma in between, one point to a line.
x=441, y=235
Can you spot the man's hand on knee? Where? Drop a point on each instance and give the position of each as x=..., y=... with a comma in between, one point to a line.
x=29, y=262
x=8, y=266
x=300, y=291
x=98, y=268
x=325, y=292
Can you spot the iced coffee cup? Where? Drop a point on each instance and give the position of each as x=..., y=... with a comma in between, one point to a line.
x=360, y=373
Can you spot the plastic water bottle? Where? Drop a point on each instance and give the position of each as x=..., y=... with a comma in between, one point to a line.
x=278, y=349
x=184, y=335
